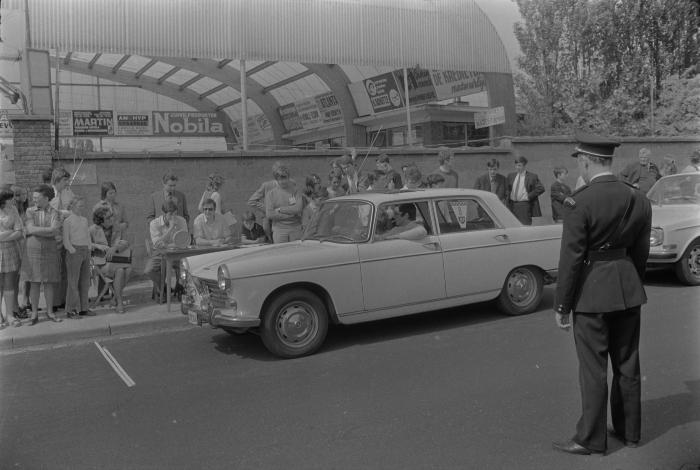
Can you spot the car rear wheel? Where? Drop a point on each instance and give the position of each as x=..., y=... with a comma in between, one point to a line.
x=294, y=324
x=522, y=291
x=688, y=267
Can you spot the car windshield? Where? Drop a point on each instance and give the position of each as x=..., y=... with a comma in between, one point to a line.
x=341, y=221
x=676, y=189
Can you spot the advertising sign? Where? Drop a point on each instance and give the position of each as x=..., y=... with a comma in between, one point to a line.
x=329, y=108
x=259, y=129
x=187, y=124
x=65, y=123
x=134, y=124
x=491, y=117
x=309, y=113
x=420, y=85
x=93, y=123
x=383, y=92
x=290, y=117
x=454, y=83
x=6, y=129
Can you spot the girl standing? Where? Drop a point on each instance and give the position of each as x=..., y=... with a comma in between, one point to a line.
x=11, y=233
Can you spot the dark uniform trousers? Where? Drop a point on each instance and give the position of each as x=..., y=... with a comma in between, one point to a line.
x=597, y=336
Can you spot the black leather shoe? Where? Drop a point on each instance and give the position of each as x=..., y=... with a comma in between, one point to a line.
x=619, y=437
x=571, y=447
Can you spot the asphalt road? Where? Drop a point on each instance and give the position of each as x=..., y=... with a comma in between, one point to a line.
x=461, y=388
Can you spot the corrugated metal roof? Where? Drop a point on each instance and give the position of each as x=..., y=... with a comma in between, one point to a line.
x=439, y=34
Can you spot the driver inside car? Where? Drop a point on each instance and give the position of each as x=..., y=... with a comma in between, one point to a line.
x=405, y=225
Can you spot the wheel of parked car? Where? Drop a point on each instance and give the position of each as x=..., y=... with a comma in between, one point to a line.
x=688, y=267
x=522, y=291
x=295, y=324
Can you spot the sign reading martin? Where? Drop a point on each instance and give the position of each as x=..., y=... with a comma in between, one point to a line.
x=93, y=123
x=187, y=124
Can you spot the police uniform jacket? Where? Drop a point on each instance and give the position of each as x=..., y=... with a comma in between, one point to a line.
x=592, y=280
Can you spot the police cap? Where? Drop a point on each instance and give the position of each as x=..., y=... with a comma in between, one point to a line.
x=595, y=145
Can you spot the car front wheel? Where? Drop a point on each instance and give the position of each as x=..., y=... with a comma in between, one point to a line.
x=294, y=324
x=688, y=267
x=522, y=291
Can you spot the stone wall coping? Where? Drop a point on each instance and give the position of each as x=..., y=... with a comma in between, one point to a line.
x=624, y=140
x=30, y=117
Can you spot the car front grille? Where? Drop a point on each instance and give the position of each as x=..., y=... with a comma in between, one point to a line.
x=217, y=296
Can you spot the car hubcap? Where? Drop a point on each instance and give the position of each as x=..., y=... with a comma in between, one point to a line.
x=521, y=287
x=297, y=325
x=694, y=261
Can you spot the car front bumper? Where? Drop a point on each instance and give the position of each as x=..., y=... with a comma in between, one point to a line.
x=662, y=256
x=202, y=306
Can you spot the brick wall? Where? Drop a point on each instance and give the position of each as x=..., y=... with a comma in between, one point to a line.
x=136, y=175
x=32, y=148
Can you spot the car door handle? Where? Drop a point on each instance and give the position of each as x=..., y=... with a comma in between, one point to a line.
x=432, y=245
x=501, y=238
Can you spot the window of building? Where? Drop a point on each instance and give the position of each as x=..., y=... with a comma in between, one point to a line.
x=477, y=137
x=453, y=134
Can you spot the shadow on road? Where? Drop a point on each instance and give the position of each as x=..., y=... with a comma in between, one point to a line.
x=250, y=346
x=660, y=415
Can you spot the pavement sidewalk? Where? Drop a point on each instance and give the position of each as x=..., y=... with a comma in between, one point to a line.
x=142, y=315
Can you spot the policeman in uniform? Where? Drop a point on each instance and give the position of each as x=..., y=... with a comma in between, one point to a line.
x=604, y=248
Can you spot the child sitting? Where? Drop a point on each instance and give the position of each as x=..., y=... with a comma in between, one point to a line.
x=251, y=232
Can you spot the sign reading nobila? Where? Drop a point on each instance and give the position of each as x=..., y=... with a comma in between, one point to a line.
x=93, y=123
x=187, y=124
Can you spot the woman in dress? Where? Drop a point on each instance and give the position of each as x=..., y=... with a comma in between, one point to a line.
x=21, y=196
x=11, y=232
x=111, y=251
x=42, y=260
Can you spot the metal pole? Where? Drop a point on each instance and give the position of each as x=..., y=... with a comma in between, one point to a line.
x=99, y=105
x=651, y=95
x=57, y=107
x=244, y=106
x=409, y=137
x=27, y=68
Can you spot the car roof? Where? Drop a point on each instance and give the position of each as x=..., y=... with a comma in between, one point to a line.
x=406, y=194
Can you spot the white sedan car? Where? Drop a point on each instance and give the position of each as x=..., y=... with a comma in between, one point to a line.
x=675, y=226
x=345, y=270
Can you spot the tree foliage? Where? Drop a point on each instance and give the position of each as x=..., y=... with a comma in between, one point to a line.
x=594, y=63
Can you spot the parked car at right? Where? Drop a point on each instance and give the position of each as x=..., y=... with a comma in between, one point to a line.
x=675, y=226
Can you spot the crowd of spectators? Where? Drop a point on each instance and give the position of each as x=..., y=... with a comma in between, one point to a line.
x=48, y=241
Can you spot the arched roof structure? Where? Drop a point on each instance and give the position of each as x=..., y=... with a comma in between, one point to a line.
x=191, y=50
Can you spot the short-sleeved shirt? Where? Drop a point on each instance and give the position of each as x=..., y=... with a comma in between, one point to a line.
x=158, y=230
x=253, y=233
x=210, y=231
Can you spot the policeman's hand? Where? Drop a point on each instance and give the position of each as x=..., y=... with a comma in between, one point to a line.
x=562, y=320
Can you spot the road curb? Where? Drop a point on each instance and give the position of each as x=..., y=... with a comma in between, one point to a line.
x=105, y=328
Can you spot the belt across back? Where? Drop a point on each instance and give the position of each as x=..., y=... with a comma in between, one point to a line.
x=607, y=255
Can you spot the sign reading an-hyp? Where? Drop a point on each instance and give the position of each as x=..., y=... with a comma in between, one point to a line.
x=133, y=124
x=187, y=124
x=93, y=123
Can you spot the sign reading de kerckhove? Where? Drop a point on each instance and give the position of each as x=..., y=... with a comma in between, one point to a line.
x=93, y=123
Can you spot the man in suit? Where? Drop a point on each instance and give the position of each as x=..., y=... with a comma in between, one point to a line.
x=524, y=189
x=604, y=248
x=168, y=192
x=493, y=181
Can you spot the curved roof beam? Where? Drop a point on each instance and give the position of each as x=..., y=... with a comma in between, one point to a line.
x=336, y=79
x=187, y=97
x=209, y=68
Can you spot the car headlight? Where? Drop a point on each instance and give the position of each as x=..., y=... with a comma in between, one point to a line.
x=656, y=237
x=223, y=278
x=184, y=269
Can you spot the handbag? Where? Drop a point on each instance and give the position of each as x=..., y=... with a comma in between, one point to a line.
x=123, y=257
